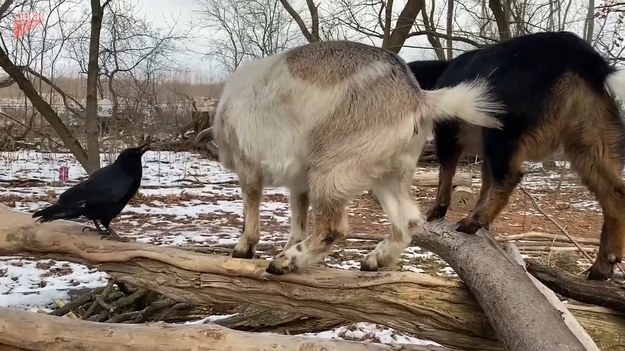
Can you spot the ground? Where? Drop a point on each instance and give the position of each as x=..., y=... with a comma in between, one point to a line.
x=187, y=200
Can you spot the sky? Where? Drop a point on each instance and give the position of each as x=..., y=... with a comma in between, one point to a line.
x=186, y=10
x=166, y=11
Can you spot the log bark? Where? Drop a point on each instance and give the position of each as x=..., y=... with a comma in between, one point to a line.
x=258, y=319
x=430, y=179
x=569, y=319
x=431, y=308
x=605, y=294
x=22, y=330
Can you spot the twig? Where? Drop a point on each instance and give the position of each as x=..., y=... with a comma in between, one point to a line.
x=564, y=231
x=76, y=303
x=95, y=304
x=168, y=311
x=128, y=300
x=31, y=129
x=537, y=236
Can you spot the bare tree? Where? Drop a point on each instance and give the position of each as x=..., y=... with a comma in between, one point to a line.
x=17, y=74
x=247, y=29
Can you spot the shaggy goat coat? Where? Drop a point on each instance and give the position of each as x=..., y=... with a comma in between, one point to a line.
x=329, y=120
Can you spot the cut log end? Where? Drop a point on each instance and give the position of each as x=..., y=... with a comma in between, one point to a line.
x=462, y=199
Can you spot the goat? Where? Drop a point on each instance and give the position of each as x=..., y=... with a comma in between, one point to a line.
x=559, y=92
x=329, y=120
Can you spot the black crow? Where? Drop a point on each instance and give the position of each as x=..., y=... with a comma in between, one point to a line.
x=103, y=195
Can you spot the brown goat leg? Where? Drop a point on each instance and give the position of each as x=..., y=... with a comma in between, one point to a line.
x=610, y=249
x=496, y=199
x=252, y=191
x=449, y=162
x=612, y=243
x=486, y=182
x=599, y=165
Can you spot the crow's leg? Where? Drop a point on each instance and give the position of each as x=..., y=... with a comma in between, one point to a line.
x=102, y=232
x=98, y=229
x=113, y=234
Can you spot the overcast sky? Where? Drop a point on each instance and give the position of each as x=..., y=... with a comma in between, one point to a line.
x=186, y=11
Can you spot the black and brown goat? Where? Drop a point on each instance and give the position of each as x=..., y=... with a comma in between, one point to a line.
x=559, y=92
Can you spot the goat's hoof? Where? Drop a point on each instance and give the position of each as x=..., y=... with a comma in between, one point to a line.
x=243, y=253
x=436, y=212
x=600, y=271
x=281, y=264
x=376, y=260
x=603, y=267
x=369, y=264
x=468, y=225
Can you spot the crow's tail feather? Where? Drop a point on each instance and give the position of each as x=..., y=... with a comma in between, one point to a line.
x=57, y=211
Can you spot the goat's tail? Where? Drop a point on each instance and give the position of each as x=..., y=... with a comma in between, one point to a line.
x=471, y=102
x=615, y=84
x=57, y=211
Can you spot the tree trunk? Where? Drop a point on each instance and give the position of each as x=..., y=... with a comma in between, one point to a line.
x=450, y=29
x=40, y=332
x=431, y=308
x=589, y=23
x=404, y=24
x=501, y=18
x=93, y=69
x=432, y=39
x=69, y=140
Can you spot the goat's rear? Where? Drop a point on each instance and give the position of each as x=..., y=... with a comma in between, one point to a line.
x=330, y=120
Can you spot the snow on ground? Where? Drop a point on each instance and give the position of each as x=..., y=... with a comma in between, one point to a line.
x=188, y=200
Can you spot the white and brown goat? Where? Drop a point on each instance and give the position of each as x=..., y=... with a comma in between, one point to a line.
x=329, y=120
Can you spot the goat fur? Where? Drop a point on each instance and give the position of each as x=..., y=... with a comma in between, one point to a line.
x=329, y=120
x=559, y=93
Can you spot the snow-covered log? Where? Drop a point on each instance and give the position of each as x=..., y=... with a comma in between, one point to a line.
x=442, y=310
x=22, y=330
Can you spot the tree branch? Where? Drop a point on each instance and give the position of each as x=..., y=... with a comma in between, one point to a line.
x=69, y=140
x=298, y=19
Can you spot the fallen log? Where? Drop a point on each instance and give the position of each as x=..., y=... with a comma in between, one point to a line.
x=22, y=330
x=258, y=319
x=431, y=308
x=430, y=179
x=569, y=319
x=605, y=294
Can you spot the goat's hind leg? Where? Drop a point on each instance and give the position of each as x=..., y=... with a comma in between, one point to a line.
x=405, y=217
x=600, y=168
x=252, y=191
x=448, y=152
x=504, y=174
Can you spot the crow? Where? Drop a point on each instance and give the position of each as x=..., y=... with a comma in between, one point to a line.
x=103, y=195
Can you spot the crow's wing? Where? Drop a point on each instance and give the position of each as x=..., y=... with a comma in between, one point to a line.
x=107, y=185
